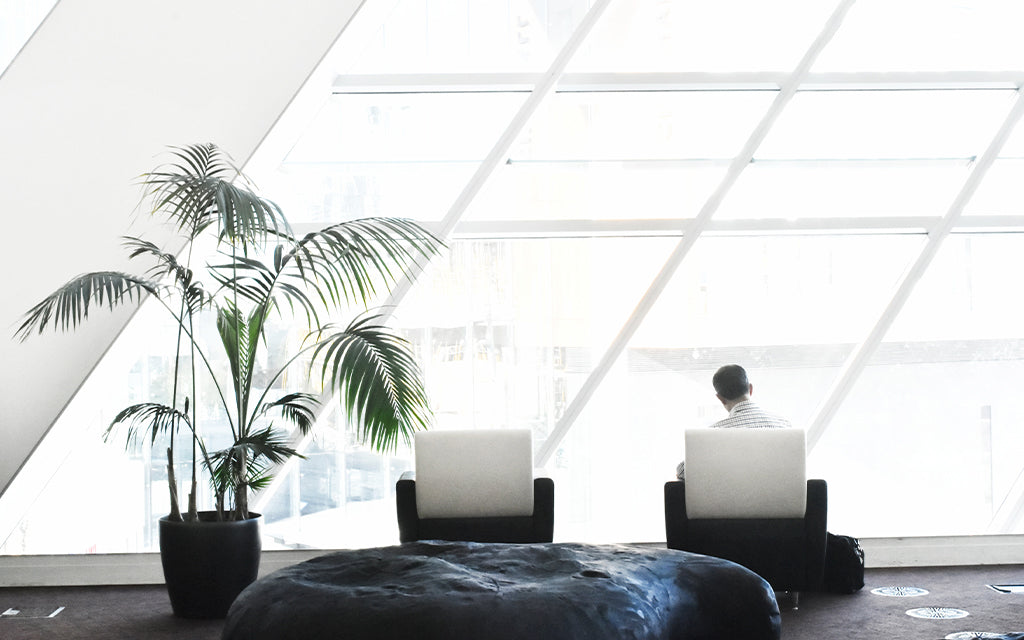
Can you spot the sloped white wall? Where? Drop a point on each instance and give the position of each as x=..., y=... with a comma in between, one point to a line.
x=92, y=101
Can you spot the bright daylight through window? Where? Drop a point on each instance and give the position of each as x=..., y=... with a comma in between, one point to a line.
x=827, y=193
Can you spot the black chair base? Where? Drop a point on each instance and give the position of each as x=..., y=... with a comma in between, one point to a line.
x=787, y=552
x=538, y=527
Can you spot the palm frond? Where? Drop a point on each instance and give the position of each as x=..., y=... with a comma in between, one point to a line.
x=378, y=379
x=346, y=262
x=268, y=444
x=259, y=481
x=297, y=408
x=149, y=418
x=167, y=265
x=198, y=190
x=250, y=457
x=240, y=336
x=245, y=218
x=69, y=306
x=258, y=283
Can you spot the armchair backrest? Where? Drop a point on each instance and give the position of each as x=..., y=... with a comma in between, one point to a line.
x=474, y=473
x=746, y=473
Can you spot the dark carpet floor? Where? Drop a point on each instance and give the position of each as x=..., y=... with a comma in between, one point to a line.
x=129, y=613
x=866, y=616
x=144, y=613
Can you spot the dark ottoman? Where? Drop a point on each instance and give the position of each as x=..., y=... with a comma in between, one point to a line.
x=463, y=590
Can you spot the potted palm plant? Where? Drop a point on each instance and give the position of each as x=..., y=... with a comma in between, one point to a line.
x=259, y=269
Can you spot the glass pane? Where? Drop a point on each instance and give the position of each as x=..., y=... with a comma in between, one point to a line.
x=621, y=126
x=453, y=36
x=927, y=35
x=402, y=155
x=1014, y=147
x=928, y=442
x=999, y=192
x=886, y=124
x=838, y=293
x=796, y=190
x=590, y=191
x=724, y=35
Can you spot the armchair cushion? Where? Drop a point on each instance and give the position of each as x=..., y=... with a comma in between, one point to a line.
x=745, y=473
x=475, y=486
x=474, y=474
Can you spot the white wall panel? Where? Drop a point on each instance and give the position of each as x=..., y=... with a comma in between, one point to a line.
x=90, y=103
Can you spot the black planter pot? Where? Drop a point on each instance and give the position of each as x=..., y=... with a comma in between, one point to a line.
x=208, y=563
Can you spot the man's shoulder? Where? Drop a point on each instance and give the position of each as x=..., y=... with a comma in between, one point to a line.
x=775, y=419
x=752, y=416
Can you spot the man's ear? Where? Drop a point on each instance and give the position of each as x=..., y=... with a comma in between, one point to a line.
x=720, y=399
x=750, y=389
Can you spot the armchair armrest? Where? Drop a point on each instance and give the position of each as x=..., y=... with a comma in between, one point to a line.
x=676, y=522
x=817, y=527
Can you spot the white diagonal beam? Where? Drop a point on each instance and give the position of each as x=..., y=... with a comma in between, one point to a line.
x=860, y=356
x=694, y=230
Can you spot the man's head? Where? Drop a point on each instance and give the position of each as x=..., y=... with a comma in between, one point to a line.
x=731, y=384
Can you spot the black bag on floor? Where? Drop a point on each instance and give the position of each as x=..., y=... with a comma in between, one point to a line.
x=844, y=564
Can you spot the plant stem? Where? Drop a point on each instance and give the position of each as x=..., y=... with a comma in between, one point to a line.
x=241, y=488
x=193, y=511
x=172, y=484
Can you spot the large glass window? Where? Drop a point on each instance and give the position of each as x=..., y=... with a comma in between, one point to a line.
x=590, y=221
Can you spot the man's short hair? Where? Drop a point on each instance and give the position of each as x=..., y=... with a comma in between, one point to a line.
x=731, y=382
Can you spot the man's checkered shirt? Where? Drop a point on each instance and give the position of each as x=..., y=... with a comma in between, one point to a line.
x=748, y=415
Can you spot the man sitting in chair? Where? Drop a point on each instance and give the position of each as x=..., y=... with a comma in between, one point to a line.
x=733, y=389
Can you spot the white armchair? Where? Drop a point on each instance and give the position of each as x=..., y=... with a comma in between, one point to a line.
x=745, y=497
x=475, y=485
